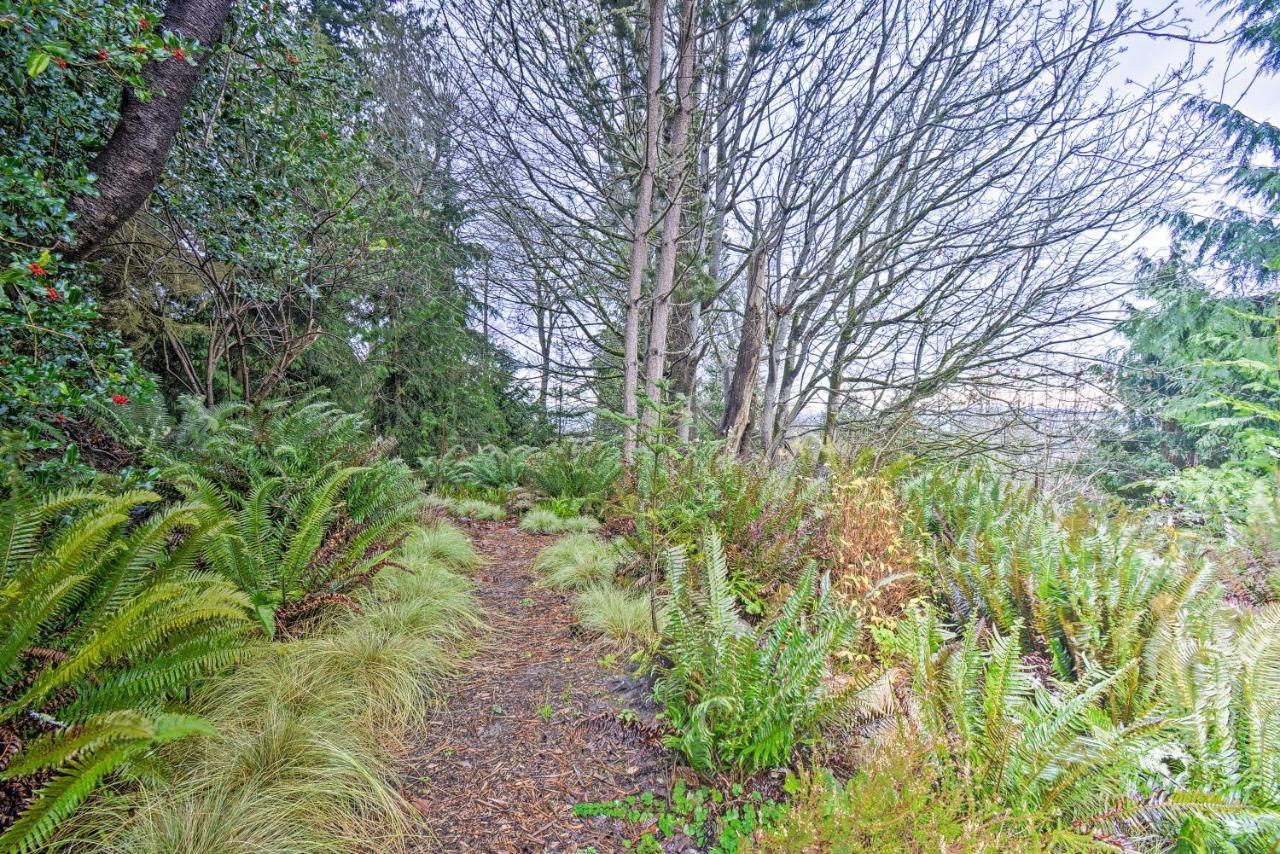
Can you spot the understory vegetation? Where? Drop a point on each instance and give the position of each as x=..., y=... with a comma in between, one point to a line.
x=1056, y=676
x=230, y=667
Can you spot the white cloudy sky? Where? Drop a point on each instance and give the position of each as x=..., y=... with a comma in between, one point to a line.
x=1231, y=78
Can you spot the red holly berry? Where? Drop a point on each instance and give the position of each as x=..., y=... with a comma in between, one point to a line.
x=103, y=55
x=178, y=53
x=36, y=269
x=53, y=294
x=144, y=23
x=119, y=399
x=60, y=62
x=60, y=418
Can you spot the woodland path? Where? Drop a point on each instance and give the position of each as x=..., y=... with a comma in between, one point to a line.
x=532, y=724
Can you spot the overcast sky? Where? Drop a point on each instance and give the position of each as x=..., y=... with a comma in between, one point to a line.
x=1230, y=78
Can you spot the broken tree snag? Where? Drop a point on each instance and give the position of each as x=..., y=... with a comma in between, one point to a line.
x=133, y=160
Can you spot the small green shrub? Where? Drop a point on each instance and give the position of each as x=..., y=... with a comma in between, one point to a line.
x=577, y=561
x=540, y=520
x=897, y=801
x=564, y=507
x=742, y=698
x=625, y=619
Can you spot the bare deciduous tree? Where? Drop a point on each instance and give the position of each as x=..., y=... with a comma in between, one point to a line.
x=940, y=194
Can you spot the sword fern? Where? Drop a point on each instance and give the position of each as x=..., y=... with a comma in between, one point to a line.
x=107, y=628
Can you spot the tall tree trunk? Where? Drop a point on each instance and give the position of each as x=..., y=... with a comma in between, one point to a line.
x=738, y=397
x=664, y=281
x=685, y=371
x=835, y=382
x=688, y=309
x=769, y=406
x=541, y=316
x=131, y=164
x=640, y=233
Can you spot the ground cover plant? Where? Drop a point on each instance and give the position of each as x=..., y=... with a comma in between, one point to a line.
x=577, y=561
x=629, y=620
x=542, y=520
x=477, y=509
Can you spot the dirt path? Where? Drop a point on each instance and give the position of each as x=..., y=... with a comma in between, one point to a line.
x=532, y=726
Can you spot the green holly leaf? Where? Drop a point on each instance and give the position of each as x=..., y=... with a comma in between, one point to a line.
x=37, y=62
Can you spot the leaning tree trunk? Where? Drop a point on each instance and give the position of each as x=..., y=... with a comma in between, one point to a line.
x=664, y=281
x=738, y=397
x=131, y=164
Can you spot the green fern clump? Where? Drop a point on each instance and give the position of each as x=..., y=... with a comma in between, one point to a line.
x=624, y=619
x=1049, y=751
x=577, y=561
x=494, y=467
x=480, y=511
x=1216, y=672
x=570, y=470
x=541, y=520
x=139, y=424
x=383, y=484
x=107, y=625
x=742, y=698
x=287, y=550
x=1012, y=738
x=440, y=472
x=1085, y=590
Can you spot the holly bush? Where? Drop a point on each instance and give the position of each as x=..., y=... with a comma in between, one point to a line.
x=63, y=64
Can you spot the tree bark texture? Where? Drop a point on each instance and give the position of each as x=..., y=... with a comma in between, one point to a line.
x=131, y=164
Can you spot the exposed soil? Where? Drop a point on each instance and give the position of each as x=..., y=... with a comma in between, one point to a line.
x=533, y=725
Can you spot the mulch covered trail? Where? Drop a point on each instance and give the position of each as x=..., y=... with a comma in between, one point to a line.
x=493, y=774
